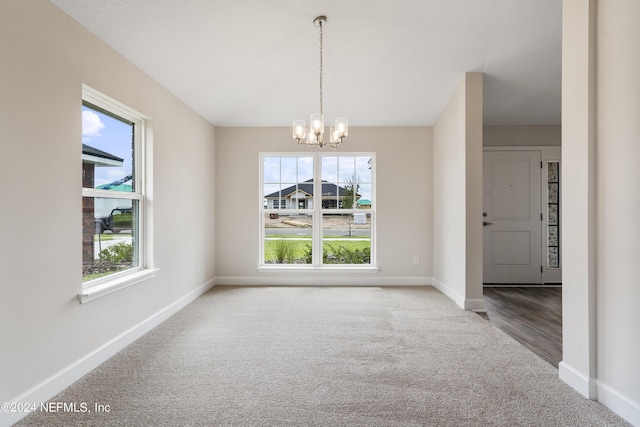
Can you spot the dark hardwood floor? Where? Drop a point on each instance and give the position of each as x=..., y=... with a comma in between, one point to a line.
x=530, y=315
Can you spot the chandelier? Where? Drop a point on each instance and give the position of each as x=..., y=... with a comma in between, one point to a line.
x=314, y=134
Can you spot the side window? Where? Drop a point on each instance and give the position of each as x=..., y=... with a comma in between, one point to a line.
x=112, y=190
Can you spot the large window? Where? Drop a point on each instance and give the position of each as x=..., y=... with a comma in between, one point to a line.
x=113, y=197
x=317, y=209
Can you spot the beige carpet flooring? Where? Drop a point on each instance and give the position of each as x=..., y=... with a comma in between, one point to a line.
x=304, y=356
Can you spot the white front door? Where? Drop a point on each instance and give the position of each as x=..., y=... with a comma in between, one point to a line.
x=512, y=217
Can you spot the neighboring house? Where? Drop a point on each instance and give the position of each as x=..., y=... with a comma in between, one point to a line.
x=363, y=204
x=300, y=196
x=92, y=158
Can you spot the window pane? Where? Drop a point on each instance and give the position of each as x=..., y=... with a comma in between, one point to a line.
x=363, y=195
x=553, y=215
x=305, y=169
x=109, y=236
x=288, y=169
x=330, y=169
x=287, y=239
x=363, y=169
x=271, y=169
x=346, y=238
x=346, y=169
x=330, y=193
x=107, y=151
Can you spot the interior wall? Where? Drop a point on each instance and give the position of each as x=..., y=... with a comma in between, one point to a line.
x=578, y=197
x=600, y=133
x=457, y=172
x=403, y=197
x=522, y=135
x=45, y=57
x=618, y=200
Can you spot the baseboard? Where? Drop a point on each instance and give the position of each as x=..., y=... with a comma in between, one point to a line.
x=448, y=291
x=619, y=403
x=475, y=305
x=578, y=381
x=464, y=303
x=53, y=385
x=322, y=280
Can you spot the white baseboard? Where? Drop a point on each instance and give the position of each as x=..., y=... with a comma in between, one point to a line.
x=578, y=381
x=322, y=280
x=466, y=304
x=475, y=305
x=619, y=403
x=448, y=291
x=45, y=390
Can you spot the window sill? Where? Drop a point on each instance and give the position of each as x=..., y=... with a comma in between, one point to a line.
x=342, y=269
x=106, y=288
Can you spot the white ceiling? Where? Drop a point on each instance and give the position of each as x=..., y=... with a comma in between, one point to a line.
x=386, y=63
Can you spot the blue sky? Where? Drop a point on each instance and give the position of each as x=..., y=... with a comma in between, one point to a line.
x=111, y=135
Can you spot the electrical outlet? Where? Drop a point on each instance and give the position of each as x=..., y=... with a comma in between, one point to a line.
x=197, y=268
x=416, y=260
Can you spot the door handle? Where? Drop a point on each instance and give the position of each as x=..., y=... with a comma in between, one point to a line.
x=485, y=223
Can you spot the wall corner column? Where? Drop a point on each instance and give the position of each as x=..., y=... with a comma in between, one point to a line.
x=578, y=367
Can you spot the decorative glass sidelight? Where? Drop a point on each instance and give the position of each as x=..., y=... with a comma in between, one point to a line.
x=553, y=214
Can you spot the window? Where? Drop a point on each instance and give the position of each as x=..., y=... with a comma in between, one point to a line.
x=113, y=198
x=317, y=210
x=553, y=214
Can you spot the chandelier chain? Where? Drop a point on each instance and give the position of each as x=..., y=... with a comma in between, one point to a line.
x=321, y=67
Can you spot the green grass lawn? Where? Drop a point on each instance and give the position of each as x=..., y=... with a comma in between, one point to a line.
x=104, y=237
x=95, y=276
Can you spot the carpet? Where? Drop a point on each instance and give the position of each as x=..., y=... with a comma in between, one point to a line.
x=325, y=356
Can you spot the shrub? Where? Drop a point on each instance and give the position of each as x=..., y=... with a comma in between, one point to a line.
x=119, y=253
x=342, y=255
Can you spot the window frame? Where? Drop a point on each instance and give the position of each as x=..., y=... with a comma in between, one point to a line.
x=95, y=288
x=317, y=212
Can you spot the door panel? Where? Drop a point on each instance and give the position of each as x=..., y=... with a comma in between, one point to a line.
x=510, y=186
x=511, y=248
x=512, y=231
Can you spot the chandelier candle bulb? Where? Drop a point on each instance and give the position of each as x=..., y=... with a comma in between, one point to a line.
x=342, y=125
x=317, y=123
x=299, y=131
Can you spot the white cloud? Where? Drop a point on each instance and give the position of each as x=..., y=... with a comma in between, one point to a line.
x=91, y=125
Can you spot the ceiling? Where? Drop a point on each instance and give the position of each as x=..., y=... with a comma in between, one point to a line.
x=386, y=63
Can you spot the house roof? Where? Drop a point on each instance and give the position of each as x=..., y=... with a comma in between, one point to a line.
x=92, y=151
x=328, y=190
x=99, y=157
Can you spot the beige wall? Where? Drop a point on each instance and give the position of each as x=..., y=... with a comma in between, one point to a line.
x=457, y=214
x=601, y=202
x=45, y=57
x=522, y=135
x=578, y=197
x=618, y=198
x=404, y=203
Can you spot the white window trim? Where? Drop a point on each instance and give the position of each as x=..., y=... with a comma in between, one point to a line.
x=96, y=288
x=317, y=212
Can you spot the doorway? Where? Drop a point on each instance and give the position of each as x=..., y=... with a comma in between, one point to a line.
x=521, y=216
